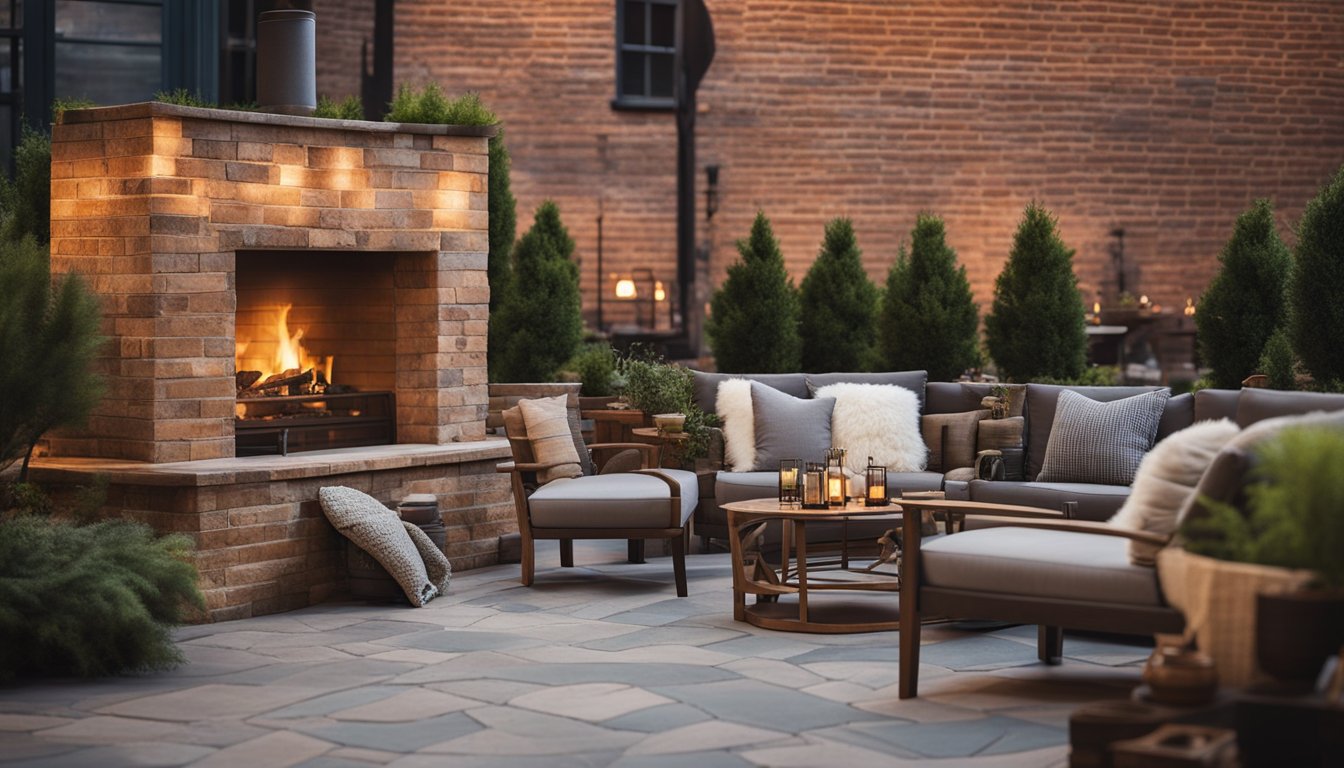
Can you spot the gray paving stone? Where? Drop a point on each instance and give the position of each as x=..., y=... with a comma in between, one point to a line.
x=959, y=739
x=684, y=760
x=765, y=706
x=591, y=760
x=393, y=737
x=138, y=754
x=649, y=674
x=767, y=645
x=675, y=635
x=335, y=702
x=978, y=654
x=462, y=640
x=658, y=719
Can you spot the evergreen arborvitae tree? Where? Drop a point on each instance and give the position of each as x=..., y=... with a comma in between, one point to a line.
x=753, y=323
x=539, y=320
x=1246, y=302
x=929, y=320
x=1036, y=328
x=1316, y=292
x=25, y=202
x=48, y=341
x=838, y=324
x=503, y=229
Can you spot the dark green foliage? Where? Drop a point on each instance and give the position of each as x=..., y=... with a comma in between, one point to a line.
x=1316, y=289
x=182, y=98
x=25, y=202
x=503, y=227
x=429, y=105
x=654, y=386
x=1294, y=503
x=60, y=106
x=596, y=366
x=929, y=320
x=838, y=322
x=1246, y=301
x=1278, y=362
x=1092, y=376
x=539, y=320
x=48, y=340
x=753, y=322
x=90, y=600
x=349, y=108
x=1036, y=327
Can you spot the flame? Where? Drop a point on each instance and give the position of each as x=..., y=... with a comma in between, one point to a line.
x=290, y=352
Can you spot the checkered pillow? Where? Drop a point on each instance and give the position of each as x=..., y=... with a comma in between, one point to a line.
x=1103, y=443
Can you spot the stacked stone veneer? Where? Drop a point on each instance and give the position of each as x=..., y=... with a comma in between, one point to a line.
x=152, y=201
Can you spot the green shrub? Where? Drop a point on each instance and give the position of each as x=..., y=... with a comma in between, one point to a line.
x=595, y=365
x=838, y=322
x=429, y=105
x=1092, y=376
x=503, y=229
x=929, y=320
x=90, y=600
x=182, y=98
x=48, y=340
x=540, y=317
x=1316, y=289
x=1294, y=501
x=654, y=386
x=60, y=106
x=1036, y=327
x=1246, y=302
x=1278, y=362
x=349, y=108
x=25, y=201
x=753, y=322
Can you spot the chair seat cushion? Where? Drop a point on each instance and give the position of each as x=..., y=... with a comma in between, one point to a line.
x=1095, y=501
x=622, y=500
x=1038, y=563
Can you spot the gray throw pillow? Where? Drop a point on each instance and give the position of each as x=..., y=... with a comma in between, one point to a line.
x=788, y=427
x=1102, y=443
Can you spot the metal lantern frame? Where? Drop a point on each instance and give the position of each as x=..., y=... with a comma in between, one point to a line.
x=835, y=477
x=814, y=486
x=875, y=476
x=790, y=482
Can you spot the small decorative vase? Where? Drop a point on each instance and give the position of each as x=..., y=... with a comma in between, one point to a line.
x=1180, y=677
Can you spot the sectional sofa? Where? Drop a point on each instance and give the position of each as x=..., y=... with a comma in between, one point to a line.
x=951, y=403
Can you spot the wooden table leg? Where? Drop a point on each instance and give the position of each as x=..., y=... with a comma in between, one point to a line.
x=802, y=570
x=735, y=550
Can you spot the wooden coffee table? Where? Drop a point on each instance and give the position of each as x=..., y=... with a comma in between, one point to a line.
x=846, y=612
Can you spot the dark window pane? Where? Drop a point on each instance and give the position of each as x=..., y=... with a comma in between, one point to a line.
x=634, y=22
x=632, y=74
x=664, y=31
x=6, y=73
x=108, y=21
x=661, y=74
x=125, y=73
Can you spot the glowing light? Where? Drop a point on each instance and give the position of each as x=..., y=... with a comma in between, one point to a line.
x=625, y=288
x=290, y=352
x=1189, y=306
x=659, y=294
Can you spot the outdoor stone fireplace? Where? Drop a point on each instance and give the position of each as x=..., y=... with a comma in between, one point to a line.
x=212, y=239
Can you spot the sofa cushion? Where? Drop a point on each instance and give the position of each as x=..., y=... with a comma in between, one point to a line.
x=379, y=531
x=705, y=386
x=1213, y=404
x=958, y=450
x=551, y=438
x=788, y=427
x=1041, y=402
x=1259, y=404
x=1166, y=478
x=739, y=426
x=875, y=420
x=1039, y=563
x=911, y=380
x=1094, y=442
x=626, y=500
x=1095, y=501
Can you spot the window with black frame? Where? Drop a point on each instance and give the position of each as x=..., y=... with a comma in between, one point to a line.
x=646, y=47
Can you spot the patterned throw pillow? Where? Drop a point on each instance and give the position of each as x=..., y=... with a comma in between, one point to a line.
x=787, y=427
x=1102, y=443
x=379, y=531
x=547, y=420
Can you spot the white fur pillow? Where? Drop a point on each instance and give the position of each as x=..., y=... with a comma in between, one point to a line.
x=739, y=428
x=1166, y=477
x=877, y=420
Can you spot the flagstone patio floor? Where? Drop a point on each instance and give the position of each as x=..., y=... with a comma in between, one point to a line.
x=593, y=666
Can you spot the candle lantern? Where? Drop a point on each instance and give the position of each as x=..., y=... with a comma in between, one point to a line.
x=876, y=474
x=835, y=477
x=814, y=486
x=790, y=476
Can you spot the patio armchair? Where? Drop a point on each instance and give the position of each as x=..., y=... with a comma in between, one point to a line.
x=646, y=503
x=1031, y=566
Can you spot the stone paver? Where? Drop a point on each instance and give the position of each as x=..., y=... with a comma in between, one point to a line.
x=599, y=665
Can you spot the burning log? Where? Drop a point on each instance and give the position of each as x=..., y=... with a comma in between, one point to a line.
x=290, y=378
x=245, y=379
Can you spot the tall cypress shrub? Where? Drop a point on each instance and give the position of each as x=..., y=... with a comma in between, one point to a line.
x=838, y=324
x=502, y=208
x=1316, y=293
x=753, y=323
x=929, y=320
x=1246, y=302
x=540, y=319
x=1036, y=328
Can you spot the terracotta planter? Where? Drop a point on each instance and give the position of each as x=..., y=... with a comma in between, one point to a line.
x=1296, y=631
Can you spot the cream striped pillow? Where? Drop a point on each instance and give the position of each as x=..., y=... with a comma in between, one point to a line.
x=547, y=421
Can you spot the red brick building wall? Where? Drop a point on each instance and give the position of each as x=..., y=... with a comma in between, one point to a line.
x=1164, y=118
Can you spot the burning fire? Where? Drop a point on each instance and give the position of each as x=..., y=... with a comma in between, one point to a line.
x=290, y=353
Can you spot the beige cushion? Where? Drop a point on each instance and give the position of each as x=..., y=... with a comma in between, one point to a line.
x=997, y=434
x=739, y=429
x=877, y=420
x=959, y=449
x=547, y=421
x=1039, y=563
x=516, y=429
x=377, y=530
x=1167, y=476
x=625, y=500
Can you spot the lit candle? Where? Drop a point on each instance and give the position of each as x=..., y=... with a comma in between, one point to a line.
x=876, y=491
x=836, y=488
x=788, y=478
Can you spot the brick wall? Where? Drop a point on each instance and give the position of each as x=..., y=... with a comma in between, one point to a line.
x=1163, y=118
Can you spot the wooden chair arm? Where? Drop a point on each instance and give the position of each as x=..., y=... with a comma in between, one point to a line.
x=514, y=466
x=981, y=508
x=1083, y=526
x=645, y=447
x=673, y=488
